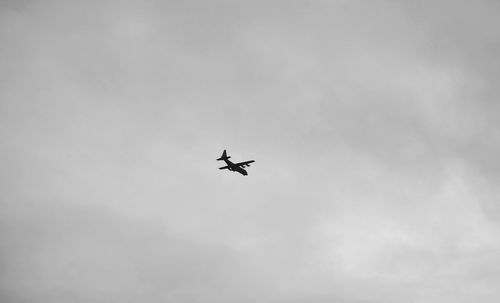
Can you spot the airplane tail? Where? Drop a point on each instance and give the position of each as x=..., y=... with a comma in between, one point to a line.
x=224, y=156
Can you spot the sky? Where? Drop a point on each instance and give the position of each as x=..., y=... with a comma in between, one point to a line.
x=373, y=124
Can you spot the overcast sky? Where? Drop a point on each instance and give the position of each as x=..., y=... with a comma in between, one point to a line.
x=374, y=126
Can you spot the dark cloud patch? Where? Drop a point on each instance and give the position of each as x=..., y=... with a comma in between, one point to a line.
x=75, y=253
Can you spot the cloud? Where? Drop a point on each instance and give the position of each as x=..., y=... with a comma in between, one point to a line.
x=372, y=127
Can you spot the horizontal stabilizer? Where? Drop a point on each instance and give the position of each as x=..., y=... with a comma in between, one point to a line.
x=224, y=156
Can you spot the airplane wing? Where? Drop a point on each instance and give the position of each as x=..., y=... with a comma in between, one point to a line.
x=224, y=167
x=243, y=164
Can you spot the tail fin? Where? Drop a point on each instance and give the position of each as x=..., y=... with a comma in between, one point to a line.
x=224, y=156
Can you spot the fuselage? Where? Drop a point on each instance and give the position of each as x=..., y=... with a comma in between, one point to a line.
x=235, y=167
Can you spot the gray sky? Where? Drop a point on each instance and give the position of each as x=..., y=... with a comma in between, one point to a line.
x=374, y=126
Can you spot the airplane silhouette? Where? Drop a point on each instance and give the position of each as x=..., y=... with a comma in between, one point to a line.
x=238, y=167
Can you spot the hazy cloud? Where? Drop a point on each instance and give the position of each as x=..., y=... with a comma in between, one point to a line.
x=373, y=126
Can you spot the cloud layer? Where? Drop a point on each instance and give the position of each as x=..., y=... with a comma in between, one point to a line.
x=373, y=126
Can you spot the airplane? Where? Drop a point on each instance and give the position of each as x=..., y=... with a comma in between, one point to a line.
x=237, y=167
